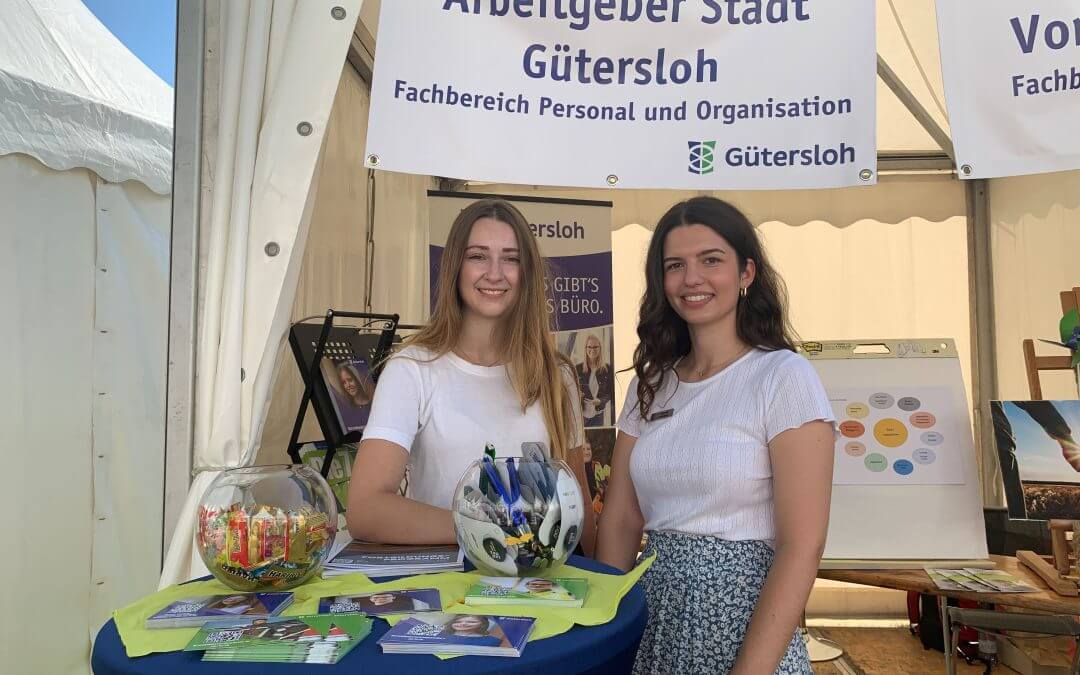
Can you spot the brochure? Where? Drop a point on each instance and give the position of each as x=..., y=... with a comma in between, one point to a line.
x=384, y=602
x=562, y=592
x=1003, y=582
x=191, y=612
x=471, y=634
x=977, y=581
x=388, y=560
x=310, y=638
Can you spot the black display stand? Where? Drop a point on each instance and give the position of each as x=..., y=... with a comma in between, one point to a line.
x=310, y=342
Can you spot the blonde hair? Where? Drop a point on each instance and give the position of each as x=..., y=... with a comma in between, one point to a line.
x=538, y=372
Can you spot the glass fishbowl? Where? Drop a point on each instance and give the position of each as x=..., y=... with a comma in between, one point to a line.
x=266, y=528
x=518, y=516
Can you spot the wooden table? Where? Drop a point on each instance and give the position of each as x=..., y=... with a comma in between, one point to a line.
x=917, y=580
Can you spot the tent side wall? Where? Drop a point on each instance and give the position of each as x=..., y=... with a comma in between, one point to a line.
x=1035, y=235
x=82, y=412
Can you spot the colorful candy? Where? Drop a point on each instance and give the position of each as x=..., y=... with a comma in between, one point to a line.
x=259, y=547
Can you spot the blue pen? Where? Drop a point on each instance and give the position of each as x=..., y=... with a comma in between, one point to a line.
x=511, y=496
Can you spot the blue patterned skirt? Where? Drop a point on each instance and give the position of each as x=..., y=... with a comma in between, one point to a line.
x=701, y=592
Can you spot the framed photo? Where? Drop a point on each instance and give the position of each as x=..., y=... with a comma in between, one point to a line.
x=1039, y=456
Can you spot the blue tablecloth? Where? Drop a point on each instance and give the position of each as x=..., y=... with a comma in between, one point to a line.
x=608, y=648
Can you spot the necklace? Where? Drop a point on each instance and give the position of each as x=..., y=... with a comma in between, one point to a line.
x=708, y=371
x=476, y=362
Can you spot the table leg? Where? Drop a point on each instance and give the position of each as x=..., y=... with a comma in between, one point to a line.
x=943, y=607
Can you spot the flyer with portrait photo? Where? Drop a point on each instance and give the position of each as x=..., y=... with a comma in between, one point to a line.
x=475, y=634
x=378, y=603
x=351, y=389
x=528, y=591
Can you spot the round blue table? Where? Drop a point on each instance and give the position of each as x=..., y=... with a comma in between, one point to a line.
x=608, y=648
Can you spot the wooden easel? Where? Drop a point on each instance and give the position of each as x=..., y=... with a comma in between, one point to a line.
x=1069, y=300
x=1063, y=576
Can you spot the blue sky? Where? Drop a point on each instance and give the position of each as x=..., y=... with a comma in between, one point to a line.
x=146, y=27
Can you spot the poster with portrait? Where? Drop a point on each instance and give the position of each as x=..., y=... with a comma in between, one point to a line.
x=1039, y=455
x=351, y=389
x=574, y=237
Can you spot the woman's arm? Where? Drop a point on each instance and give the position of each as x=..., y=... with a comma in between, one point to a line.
x=377, y=512
x=621, y=522
x=802, y=461
x=576, y=460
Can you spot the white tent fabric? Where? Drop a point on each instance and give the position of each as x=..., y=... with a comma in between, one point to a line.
x=73, y=96
x=85, y=166
x=280, y=70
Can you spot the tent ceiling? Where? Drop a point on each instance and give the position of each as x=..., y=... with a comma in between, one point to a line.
x=75, y=97
x=907, y=40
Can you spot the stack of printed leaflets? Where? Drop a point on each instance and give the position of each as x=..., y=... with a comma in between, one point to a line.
x=378, y=603
x=191, y=612
x=309, y=638
x=389, y=560
x=978, y=581
x=466, y=634
x=560, y=592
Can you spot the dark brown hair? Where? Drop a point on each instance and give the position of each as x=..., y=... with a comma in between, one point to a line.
x=760, y=317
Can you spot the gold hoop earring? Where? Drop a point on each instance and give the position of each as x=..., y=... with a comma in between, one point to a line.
x=742, y=292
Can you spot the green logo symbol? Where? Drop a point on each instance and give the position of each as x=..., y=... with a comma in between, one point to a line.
x=701, y=157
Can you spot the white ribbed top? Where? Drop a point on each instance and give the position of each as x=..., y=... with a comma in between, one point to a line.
x=706, y=468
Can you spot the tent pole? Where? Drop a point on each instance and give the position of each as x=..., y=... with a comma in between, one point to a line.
x=183, y=263
x=914, y=107
x=983, y=339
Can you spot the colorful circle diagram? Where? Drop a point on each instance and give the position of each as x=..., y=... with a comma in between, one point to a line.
x=889, y=430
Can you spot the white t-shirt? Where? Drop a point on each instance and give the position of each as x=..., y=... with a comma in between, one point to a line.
x=443, y=411
x=706, y=468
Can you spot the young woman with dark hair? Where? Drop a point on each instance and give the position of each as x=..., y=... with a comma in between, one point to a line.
x=724, y=455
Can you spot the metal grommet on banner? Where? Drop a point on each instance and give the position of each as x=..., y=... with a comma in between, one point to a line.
x=866, y=174
x=338, y=13
x=966, y=169
x=612, y=179
x=272, y=249
x=304, y=128
x=373, y=160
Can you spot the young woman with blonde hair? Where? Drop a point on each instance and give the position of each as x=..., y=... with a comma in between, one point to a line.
x=484, y=369
x=724, y=455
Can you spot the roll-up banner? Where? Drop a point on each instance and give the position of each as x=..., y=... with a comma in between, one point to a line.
x=575, y=240
x=688, y=94
x=1012, y=84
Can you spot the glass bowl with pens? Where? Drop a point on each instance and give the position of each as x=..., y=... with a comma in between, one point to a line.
x=517, y=516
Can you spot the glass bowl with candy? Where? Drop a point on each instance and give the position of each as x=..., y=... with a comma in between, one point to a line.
x=266, y=527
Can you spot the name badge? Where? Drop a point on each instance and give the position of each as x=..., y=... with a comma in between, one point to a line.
x=661, y=414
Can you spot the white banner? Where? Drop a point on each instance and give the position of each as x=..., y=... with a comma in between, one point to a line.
x=689, y=94
x=1012, y=83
